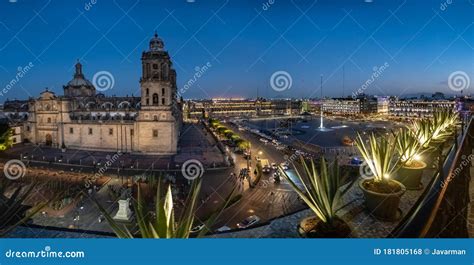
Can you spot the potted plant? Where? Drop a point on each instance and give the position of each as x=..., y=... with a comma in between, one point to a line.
x=411, y=166
x=432, y=134
x=382, y=194
x=321, y=192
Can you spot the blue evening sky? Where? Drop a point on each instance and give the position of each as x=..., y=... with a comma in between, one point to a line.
x=245, y=42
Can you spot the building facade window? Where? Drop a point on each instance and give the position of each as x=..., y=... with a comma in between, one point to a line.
x=49, y=120
x=71, y=130
x=111, y=131
x=155, y=133
x=155, y=99
x=155, y=117
x=131, y=132
x=163, y=101
x=90, y=131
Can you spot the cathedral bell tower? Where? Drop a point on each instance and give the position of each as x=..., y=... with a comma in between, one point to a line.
x=159, y=118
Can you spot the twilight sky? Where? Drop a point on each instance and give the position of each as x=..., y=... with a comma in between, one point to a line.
x=413, y=46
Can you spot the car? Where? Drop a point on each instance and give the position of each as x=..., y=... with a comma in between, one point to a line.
x=263, y=140
x=197, y=228
x=284, y=165
x=274, y=166
x=249, y=221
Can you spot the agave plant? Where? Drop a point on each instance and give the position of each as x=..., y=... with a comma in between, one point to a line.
x=445, y=118
x=408, y=146
x=380, y=155
x=422, y=129
x=321, y=190
x=13, y=210
x=162, y=224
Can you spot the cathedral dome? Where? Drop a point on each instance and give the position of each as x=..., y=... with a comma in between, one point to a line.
x=156, y=44
x=79, y=79
x=79, y=82
x=79, y=85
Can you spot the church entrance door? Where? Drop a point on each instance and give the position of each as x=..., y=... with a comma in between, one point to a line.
x=49, y=139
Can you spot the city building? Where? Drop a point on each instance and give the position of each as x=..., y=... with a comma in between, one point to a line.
x=221, y=108
x=417, y=108
x=383, y=105
x=350, y=106
x=83, y=119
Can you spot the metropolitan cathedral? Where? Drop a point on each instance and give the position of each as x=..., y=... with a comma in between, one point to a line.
x=85, y=119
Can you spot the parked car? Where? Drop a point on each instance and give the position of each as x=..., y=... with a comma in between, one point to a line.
x=274, y=166
x=284, y=165
x=249, y=221
x=197, y=228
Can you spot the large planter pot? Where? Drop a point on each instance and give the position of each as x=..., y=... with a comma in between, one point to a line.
x=382, y=200
x=410, y=176
x=313, y=227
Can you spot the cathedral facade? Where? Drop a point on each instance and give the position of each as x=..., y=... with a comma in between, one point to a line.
x=83, y=119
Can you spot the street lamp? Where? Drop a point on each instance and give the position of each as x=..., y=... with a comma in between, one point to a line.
x=249, y=155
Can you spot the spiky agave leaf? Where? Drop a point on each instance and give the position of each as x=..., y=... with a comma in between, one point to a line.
x=379, y=155
x=407, y=146
x=321, y=189
x=13, y=212
x=163, y=223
